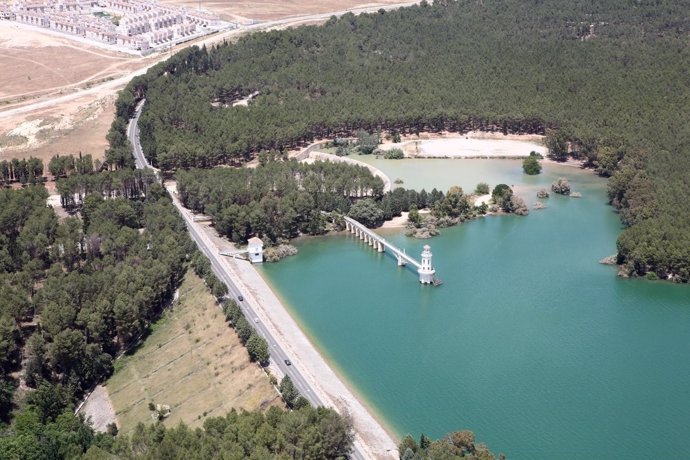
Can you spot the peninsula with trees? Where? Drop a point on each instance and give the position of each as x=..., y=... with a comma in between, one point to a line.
x=604, y=83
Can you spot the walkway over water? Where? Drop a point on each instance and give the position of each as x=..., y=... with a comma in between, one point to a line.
x=424, y=268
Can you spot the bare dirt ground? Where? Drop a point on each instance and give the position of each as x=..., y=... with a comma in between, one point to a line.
x=68, y=128
x=98, y=409
x=36, y=63
x=243, y=11
x=193, y=362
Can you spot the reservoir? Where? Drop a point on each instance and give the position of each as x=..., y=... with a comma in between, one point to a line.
x=530, y=342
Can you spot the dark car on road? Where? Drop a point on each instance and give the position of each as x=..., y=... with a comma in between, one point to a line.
x=288, y=363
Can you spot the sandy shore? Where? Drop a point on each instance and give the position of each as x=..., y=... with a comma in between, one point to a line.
x=470, y=145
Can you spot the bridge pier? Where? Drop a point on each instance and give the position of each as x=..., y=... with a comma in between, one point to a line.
x=424, y=268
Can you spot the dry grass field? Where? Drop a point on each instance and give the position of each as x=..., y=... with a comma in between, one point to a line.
x=193, y=362
x=68, y=128
x=36, y=63
x=273, y=9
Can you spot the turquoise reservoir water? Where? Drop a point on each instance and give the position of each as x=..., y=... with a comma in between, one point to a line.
x=530, y=343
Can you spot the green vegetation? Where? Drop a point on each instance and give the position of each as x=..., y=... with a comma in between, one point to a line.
x=531, y=165
x=367, y=142
x=257, y=347
x=607, y=83
x=23, y=171
x=482, y=189
x=277, y=201
x=61, y=166
x=502, y=195
x=77, y=292
x=456, y=445
x=394, y=154
x=282, y=199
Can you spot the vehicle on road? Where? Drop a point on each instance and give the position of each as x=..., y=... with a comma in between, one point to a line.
x=256, y=320
x=288, y=363
x=240, y=298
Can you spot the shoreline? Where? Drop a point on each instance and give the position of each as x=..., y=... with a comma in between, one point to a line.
x=370, y=434
x=330, y=361
x=372, y=437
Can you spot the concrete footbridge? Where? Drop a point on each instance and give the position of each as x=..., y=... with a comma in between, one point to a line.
x=427, y=274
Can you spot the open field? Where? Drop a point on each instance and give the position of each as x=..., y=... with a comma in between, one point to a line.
x=193, y=362
x=273, y=9
x=36, y=63
x=68, y=128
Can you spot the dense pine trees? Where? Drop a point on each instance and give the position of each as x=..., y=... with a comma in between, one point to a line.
x=78, y=291
x=605, y=81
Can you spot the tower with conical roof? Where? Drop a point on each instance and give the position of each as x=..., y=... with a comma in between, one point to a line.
x=426, y=271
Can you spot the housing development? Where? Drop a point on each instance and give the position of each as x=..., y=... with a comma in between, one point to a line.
x=131, y=25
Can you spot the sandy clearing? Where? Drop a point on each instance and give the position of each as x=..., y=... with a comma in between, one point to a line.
x=69, y=128
x=396, y=222
x=485, y=199
x=98, y=409
x=36, y=61
x=470, y=145
x=245, y=11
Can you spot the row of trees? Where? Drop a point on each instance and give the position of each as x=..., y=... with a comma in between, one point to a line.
x=597, y=94
x=24, y=171
x=278, y=200
x=64, y=165
x=257, y=347
x=122, y=183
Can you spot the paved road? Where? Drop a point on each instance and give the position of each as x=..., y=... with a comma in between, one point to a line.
x=278, y=355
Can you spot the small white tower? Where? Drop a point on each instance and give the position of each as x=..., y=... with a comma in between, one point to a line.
x=426, y=271
x=255, y=248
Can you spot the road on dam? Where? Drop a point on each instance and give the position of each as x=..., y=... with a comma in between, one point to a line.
x=278, y=353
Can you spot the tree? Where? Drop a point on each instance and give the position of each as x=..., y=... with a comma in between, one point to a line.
x=367, y=142
x=288, y=391
x=501, y=195
x=531, y=165
x=557, y=145
x=413, y=215
x=49, y=401
x=424, y=442
x=257, y=347
x=482, y=189
x=367, y=212
x=394, y=154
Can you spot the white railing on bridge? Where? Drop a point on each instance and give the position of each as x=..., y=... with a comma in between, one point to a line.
x=424, y=269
